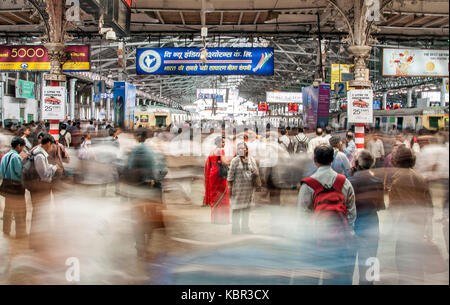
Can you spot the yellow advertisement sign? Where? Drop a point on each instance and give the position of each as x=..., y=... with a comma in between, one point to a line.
x=336, y=74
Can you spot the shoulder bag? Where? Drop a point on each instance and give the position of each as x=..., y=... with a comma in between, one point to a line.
x=10, y=186
x=223, y=169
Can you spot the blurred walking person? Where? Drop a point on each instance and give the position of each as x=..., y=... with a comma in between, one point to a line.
x=242, y=180
x=350, y=146
x=216, y=185
x=65, y=138
x=328, y=132
x=84, y=152
x=57, y=155
x=143, y=177
x=301, y=141
x=411, y=206
x=376, y=148
x=285, y=141
x=369, y=199
x=12, y=189
x=317, y=140
x=340, y=164
x=75, y=133
x=24, y=133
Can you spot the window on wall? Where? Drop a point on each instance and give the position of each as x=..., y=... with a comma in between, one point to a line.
x=11, y=88
x=22, y=75
x=32, y=77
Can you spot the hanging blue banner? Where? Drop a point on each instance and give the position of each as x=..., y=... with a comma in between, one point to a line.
x=220, y=61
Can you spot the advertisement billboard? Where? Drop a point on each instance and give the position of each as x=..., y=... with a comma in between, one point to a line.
x=25, y=89
x=323, y=106
x=220, y=61
x=415, y=62
x=276, y=97
x=124, y=104
x=35, y=58
x=360, y=106
x=310, y=105
x=130, y=104
x=54, y=103
x=119, y=104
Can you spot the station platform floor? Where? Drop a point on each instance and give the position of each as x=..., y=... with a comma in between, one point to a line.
x=94, y=225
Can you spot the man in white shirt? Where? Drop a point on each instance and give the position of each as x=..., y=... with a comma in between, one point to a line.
x=327, y=133
x=301, y=141
x=40, y=194
x=317, y=140
x=350, y=148
x=376, y=148
x=284, y=140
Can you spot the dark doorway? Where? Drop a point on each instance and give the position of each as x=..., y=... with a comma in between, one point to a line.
x=400, y=123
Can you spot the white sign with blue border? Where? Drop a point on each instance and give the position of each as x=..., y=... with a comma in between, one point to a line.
x=220, y=61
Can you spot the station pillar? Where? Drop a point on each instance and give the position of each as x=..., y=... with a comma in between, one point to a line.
x=92, y=104
x=73, y=82
x=409, y=98
x=108, y=107
x=384, y=100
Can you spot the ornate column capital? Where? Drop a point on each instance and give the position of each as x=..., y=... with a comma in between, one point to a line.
x=57, y=57
x=360, y=55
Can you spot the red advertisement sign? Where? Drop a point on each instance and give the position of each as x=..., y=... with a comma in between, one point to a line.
x=293, y=108
x=35, y=58
x=262, y=107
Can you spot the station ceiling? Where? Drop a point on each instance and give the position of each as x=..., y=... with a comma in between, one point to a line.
x=290, y=26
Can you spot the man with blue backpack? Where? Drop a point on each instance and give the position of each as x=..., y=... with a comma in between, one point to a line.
x=330, y=198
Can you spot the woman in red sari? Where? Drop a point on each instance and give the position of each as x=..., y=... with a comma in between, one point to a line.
x=216, y=187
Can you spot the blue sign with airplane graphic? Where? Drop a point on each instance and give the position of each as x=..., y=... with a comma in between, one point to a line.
x=219, y=61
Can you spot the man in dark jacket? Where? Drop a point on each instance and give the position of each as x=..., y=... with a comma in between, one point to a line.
x=369, y=199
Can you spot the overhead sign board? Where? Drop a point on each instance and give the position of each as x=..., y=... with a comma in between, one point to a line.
x=220, y=61
x=360, y=106
x=99, y=86
x=283, y=97
x=54, y=103
x=340, y=89
x=213, y=94
x=415, y=62
x=25, y=89
x=35, y=58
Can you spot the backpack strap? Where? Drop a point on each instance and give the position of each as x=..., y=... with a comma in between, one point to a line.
x=314, y=184
x=339, y=182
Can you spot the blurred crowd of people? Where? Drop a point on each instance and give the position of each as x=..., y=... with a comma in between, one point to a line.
x=340, y=189
x=342, y=192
